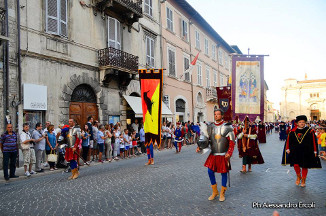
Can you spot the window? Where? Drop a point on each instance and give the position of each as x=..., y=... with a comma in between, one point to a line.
x=221, y=80
x=114, y=32
x=169, y=19
x=186, y=67
x=208, y=81
x=213, y=52
x=148, y=7
x=197, y=40
x=226, y=60
x=166, y=100
x=150, y=51
x=199, y=75
x=206, y=46
x=215, y=77
x=220, y=56
x=184, y=30
x=56, y=17
x=171, y=57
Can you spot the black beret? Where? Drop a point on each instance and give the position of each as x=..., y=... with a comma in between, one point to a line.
x=301, y=117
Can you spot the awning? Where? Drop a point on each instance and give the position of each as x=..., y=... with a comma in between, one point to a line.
x=135, y=104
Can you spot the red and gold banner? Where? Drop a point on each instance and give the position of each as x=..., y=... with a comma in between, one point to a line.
x=224, y=101
x=151, y=84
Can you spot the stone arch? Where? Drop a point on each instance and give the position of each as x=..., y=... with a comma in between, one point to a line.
x=67, y=91
x=134, y=86
x=200, y=99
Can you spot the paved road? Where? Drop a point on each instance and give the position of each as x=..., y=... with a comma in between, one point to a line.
x=176, y=185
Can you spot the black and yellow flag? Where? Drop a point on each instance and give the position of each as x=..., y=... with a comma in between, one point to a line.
x=151, y=83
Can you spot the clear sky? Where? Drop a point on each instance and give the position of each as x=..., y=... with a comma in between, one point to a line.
x=292, y=32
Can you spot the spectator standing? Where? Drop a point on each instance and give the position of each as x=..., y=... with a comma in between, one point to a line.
x=116, y=142
x=52, y=144
x=169, y=135
x=9, y=148
x=100, y=141
x=135, y=126
x=95, y=136
x=107, y=142
x=28, y=150
x=141, y=139
x=163, y=136
x=40, y=141
x=91, y=138
x=85, y=142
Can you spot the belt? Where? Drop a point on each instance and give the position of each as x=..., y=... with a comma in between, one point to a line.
x=215, y=154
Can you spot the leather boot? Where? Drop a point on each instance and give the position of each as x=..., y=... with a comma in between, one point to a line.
x=297, y=182
x=152, y=161
x=303, y=182
x=222, y=196
x=149, y=162
x=72, y=174
x=214, y=193
x=76, y=174
x=243, y=169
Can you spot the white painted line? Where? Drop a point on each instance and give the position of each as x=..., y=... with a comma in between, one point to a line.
x=268, y=169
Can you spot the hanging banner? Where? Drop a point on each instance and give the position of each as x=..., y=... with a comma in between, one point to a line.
x=224, y=101
x=151, y=84
x=248, y=86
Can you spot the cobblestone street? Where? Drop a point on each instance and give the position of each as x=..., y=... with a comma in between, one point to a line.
x=177, y=184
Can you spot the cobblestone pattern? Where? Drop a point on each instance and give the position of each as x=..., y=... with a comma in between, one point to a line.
x=177, y=184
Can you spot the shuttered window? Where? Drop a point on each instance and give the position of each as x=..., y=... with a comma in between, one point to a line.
x=56, y=17
x=199, y=75
x=150, y=51
x=206, y=46
x=171, y=56
x=184, y=30
x=148, y=7
x=215, y=77
x=208, y=81
x=169, y=19
x=114, y=33
x=186, y=68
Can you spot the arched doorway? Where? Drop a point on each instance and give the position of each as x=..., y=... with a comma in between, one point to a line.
x=180, y=110
x=314, y=114
x=83, y=104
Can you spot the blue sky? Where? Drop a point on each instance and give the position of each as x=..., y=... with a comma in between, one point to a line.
x=292, y=32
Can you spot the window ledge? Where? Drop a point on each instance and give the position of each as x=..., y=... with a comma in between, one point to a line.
x=173, y=77
x=198, y=49
x=169, y=30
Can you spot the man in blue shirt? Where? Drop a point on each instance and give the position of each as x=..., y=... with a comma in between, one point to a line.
x=178, y=138
x=9, y=148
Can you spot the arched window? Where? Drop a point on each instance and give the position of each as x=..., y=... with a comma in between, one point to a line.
x=83, y=93
x=199, y=98
x=180, y=105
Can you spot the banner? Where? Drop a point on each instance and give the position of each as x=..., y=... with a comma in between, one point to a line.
x=224, y=101
x=151, y=84
x=248, y=86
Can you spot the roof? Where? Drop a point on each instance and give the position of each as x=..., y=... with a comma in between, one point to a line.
x=236, y=49
x=203, y=23
x=266, y=85
x=312, y=81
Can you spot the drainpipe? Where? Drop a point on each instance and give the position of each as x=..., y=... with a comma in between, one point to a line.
x=19, y=54
x=191, y=81
x=6, y=69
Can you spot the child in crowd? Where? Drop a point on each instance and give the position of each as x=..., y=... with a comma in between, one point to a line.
x=122, y=148
x=322, y=143
x=126, y=142
x=130, y=145
x=134, y=142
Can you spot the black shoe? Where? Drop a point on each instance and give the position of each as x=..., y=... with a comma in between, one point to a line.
x=14, y=176
x=7, y=179
x=39, y=171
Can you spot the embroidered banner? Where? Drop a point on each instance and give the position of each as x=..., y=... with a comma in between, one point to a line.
x=248, y=86
x=224, y=101
x=151, y=83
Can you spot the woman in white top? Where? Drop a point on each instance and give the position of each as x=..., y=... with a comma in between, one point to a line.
x=116, y=142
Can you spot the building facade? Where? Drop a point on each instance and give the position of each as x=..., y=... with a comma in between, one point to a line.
x=191, y=93
x=307, y=97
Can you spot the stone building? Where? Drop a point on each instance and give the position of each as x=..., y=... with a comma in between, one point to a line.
x=306, y=97
x=185, y=33
x=78, y=58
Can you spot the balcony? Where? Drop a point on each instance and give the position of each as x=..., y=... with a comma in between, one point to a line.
x=126, y=11
x=211, y=94
x=111, y=58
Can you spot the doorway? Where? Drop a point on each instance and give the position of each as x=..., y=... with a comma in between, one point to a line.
x=83, y=104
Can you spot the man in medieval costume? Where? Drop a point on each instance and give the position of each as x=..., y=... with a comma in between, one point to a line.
x=220, y=136
x=301, y=150
x=261, y=133
x=73, y=138
x=178, y=138
x=248, y=146
x=283, y=131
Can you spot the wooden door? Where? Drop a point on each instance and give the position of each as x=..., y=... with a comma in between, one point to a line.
x=81, y=110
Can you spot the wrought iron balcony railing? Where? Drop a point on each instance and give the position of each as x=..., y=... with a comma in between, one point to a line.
x=117, y=59
x=134, y=6
x=211, y=94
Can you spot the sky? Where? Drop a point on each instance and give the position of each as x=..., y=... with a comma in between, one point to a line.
x=291, y=32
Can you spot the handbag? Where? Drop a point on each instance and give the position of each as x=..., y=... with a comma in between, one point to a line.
x=52, y=157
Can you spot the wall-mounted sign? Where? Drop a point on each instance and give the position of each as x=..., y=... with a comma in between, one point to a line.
x=35, y=97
